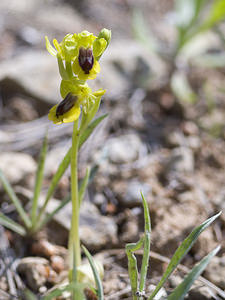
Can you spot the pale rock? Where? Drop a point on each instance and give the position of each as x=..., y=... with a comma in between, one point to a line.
x=123, y=149
x=17, y=166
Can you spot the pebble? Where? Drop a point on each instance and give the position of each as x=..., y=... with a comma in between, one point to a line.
x=215, y=271
x=17, y=166
x=132, y=196
x=96, y=231
x=201, y=293
x=37, y=272
x=123, y=149
x=181, y=160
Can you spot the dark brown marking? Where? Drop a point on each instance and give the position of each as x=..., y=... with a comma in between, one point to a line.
x=86, y=59
x=66, y=104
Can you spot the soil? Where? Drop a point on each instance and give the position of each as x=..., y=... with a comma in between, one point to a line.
x=171, y=150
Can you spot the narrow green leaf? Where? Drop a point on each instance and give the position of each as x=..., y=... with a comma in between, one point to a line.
x=10, y=224
x=132, y=265
x=90, y=128
x=83, y=185
x=29, y=295
x=181, y=251
x=182, y=89
x=15, y=200
x=142, y=31
x=95, y=273
x=49, y=216
x=72, y=288
x=39, y=180
x=145, y=260
x=182, y=289
x=59, y=173
x=65, y=163
x=216, y=15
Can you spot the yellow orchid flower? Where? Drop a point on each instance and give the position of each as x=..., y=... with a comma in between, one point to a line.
x=68, y=110
x=89, y=47
x=66, y=50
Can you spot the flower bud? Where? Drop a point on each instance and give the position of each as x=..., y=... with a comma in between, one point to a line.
x=105, y=34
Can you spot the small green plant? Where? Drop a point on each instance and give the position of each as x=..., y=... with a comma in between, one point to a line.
x=78, y=61
x=138, y=288
x=190, y=18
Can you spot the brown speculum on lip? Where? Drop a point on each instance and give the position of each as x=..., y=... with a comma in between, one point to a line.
x=86, y=59
x=66, y=104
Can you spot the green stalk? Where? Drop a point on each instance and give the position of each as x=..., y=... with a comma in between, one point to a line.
x=74, y=240
x=38, y=182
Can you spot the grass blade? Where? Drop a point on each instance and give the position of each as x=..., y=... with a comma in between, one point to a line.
x=15, y=200
x=90, y=128
x=59, y=173
x=72, y=288
x=181, y=251
x=145, y=260
x=28, y=295
x=217, y=14
x=65, y=163
x=182, y=289
x=10, y=224
x=49, y=216
x=83, y=185
x=39, y=180
x=132, y=265
x=95, y=273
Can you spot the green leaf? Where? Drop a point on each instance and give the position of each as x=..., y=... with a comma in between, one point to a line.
x=181, y=251
x=66, y=161
x=83, y=185
x=142, y=31
x=182, y=89
x=15, y=200
x=217, y=14
x=39, y=180
x=145, y=260
x=28, y=295
x=10, y=224
x=95, y=273
x=182, y=289
x=187, y=12
x=72, y=288
x=59, y=173
x=90, y=128
x=132, y=265
x=49, y=216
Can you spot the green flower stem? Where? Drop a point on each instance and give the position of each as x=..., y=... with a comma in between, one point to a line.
x=74, y=240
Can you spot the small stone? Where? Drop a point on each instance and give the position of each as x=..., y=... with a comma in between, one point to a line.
x=96, y=231
x=215, y=271
x=201, y=293
x=132, y=196
x=43, y=247
x=161, y=295
x=57, y=263
x=174, y=280
x=36, y=270
x=190, y=128
x=182, y=160
x=123, y=149
x=17, y=166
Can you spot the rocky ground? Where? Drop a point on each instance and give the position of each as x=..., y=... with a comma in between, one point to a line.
x=172, y=151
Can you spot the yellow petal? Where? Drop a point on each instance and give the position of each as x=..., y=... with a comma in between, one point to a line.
x=80, y=73
x=49, y=47
x=70, y=116
x=99, y=93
